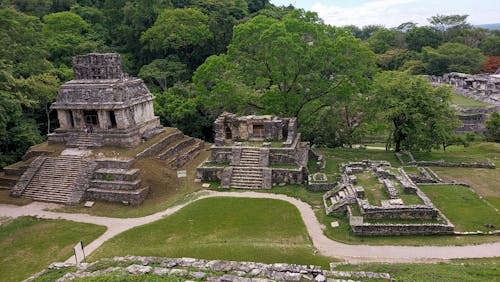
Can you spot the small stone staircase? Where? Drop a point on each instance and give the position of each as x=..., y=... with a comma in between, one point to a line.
x=247, y=177
x=250, y=157
x=337, y=199
x=85, y=140
x=55, y=180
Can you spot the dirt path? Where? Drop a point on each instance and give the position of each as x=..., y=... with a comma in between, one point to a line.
x=325, y=246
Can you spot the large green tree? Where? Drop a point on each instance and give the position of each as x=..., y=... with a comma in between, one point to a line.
x=418, y=114
x=451, y=57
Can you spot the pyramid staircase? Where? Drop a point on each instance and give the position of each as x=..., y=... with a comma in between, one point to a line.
x=181, y=152
x=247, y=177
x=56, y=180
x=250, y=157
x=85, y=140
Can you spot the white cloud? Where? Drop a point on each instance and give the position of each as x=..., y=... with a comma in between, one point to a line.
x=383, y=12
x=391, y=13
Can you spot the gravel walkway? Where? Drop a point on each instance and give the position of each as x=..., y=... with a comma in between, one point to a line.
x=325, y=246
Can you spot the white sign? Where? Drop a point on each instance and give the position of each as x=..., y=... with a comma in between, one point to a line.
x=181, y=173
x=79, y=253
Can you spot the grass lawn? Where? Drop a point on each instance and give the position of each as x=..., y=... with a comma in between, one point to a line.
x=29, y=244
x=465, y=102
x=463, y=207
x=165, y=190
x=463, y=270
x=263, y=230
x=475, y=152
x=336, y=156
x=374, y=191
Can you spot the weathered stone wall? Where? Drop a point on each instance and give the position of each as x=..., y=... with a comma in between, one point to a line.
x=321, y=187
x=447, y=164
x=209, y=173
x=159, y=146
x=135, y=197
x=290, y=176
x=116, y=174
x=115, y=163
x=174, y=150
x=220, y=154
x=209, y=270
x=402, y=229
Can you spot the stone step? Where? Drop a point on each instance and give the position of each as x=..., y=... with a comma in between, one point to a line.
x=115, y=185
x=247, y=173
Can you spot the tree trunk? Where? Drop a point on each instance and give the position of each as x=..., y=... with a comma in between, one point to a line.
x=47, y=113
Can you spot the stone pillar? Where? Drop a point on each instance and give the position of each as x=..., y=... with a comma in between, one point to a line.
x=122, y=119
x=103, y=119
x=63, y=117
x=79, y=119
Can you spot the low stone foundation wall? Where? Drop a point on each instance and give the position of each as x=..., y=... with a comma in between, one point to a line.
x=406, y=212
x=25, y=179
x=135, y=197
x=209, y=173
x=114, y=163
x=402, y=229
x=210, y=270
x=447, y=164
x=321, y=186
x=220, y=154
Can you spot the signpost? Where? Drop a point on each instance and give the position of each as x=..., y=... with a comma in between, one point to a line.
x=79, y=252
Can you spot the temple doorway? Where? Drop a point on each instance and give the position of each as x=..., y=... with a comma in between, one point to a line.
x=258, y=131
x=91, y=118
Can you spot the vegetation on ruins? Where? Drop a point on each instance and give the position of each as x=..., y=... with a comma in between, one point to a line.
x=243, y=56
x=493, y=127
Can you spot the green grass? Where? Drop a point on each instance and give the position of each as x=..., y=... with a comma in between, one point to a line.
x=30, y=244
x=412, y=170
x=262, y=230
x=54, y=274
x=468, y=270
x=463, y=207
x=475, y=152
x=336, y=156
x=374, y=191
x=465, y=102
x=5, y=198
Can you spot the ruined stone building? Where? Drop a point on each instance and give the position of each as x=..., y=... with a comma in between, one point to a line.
x=255, y=152
x=116, y=109
x=101, y=109
x=481, y=87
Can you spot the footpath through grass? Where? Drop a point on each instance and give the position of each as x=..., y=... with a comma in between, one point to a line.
x=263, y=230
x=29, y=244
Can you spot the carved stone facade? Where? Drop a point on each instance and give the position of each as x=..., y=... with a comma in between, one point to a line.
x=104, y=102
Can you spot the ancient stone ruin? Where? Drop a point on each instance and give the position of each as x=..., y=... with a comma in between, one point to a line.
x=481, y=87
x=385, y=218
x=101, y=109
x=255, y=152
x=102, y=105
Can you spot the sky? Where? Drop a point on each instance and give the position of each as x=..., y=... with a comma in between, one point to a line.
x=391, y=13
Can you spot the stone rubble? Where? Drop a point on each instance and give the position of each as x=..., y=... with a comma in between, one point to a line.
x=210, y=270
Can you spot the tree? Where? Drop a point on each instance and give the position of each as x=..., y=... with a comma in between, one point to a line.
x=419, y=114
x=491, y=45
x=67, y=34
x=394, y=59
x=181, y=30
x=292, y=67
x=451, y=57
x=493, y=127
x=419, y=37
x=165, y=72
x=384, y=39
x=446, y=22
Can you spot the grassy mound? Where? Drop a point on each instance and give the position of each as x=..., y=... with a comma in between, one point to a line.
x=263, y=230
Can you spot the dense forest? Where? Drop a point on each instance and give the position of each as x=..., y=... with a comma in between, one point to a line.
x=202, y=57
